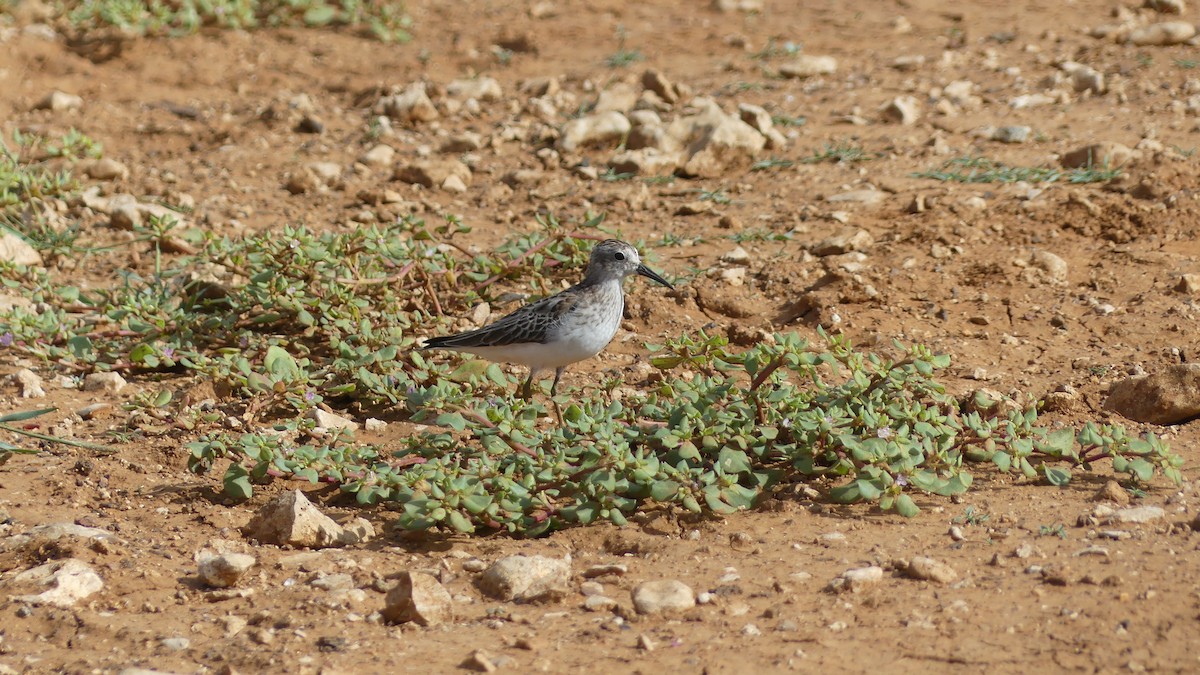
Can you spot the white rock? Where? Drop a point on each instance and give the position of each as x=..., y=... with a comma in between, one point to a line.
x=291, y=519
x=855, y=580
x=420, y=598
x=455, y=184
x=654, y=597
x=328, y=420
x=224, y=569
x=485, y=89
x=844, y=241
x=69, y=581
x=110, y=383
x=1054, y=266
x=903, y=110
x=379, y=157
x=646, y=162
x=41, y=535
x=410, y=105
x=30, y=383
x=1032, y=101
x=932, y=570
x=1134, y=514
x=1162, y=34
x=374, y=425
x=737, y=255
x=601, y=128
x=807, y=65
x=58, y=101
x=734, y=276
x=715, y=140
x=520, y=577
x=620, y=97
x=15, y=250
x=739, y=5
x=758, y=118
x=104, y=169
x=1084, y=78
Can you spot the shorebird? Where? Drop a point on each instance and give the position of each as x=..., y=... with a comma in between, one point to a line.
x=564, y=328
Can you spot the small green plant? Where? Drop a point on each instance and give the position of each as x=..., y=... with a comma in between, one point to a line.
x=385, y=21
x=717, y=196
x=1187, y=64
x=789, y=120
x=772, y=163
x=984, y=170
x=1056, y=530
x=971, y=517
x=623, y=57
x=612, y=175
x=840, y=152
x=774, y=49
x=734, y=428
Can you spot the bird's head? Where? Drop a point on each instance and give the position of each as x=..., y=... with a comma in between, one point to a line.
x=613, y=258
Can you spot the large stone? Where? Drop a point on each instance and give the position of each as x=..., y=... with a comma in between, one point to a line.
x=66, y=581
x=410, y=105
x=601, y=128
x=807, y=65
x=666, y=595
x=109, y=383
x=224, y=569
x=714, y=140
x=420, y=598
x=522, y=577
x=1170, y=396
x=291, y=519
x=645, y=162
x=485, y=89
x=17, y=251
x=930, y=569
x=1162, y=34
x=433, y=172
x=37, y=537
x=58, y=101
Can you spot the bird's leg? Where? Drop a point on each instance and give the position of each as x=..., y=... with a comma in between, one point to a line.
x=553, y=387
x=557, y=374
x=526, y=389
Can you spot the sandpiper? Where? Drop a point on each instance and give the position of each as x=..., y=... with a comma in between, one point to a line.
x=561, y=329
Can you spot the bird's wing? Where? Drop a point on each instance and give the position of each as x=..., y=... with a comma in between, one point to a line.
x=531, y=323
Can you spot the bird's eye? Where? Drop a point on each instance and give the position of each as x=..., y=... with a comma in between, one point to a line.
x=619, y=256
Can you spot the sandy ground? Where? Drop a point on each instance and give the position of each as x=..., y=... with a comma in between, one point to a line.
x=214, y=118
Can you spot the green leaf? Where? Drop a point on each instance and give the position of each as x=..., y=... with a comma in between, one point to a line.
x=846, y=494
x=1141, y=468
x=460, y=523
x=237, y=482
x=453, y=420
x=281, y=365
x=25, y=415
x=1058, y=476
x=1002, y=460
x=733, y=461
x=320, y=15
x=906, y=507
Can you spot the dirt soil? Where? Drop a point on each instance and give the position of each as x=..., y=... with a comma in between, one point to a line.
x=214, y=118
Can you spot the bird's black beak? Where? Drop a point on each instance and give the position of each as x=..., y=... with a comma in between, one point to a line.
x=651, y=274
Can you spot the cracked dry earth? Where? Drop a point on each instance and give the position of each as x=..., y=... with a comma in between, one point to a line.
x=257, y=130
